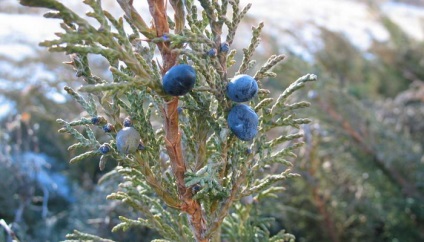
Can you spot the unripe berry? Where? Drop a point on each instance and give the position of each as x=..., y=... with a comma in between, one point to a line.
x=127, y=122
x=179, y=80
x=95, y=120
x=212, y=52
x=225, y=47
x=127, y=140
x=104, y=149
x=248, y=151
x=196, y=188
x=243, y=122
x=165, y=38
x=108, y=127
x=180, y=110
x=242, y=88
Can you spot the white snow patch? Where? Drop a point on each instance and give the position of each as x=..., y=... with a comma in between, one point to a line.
x=37, y=167
x=16, y=52
x=56, y=96
x=40, y=72
x=27, y=28
x=18, y=77
x=409, y=18
x=296, y=24
x=6, y=107
x=20, y=34
x=303, y=18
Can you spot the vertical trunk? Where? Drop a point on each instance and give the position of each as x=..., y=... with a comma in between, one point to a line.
x=173, y=146
x=172, y=135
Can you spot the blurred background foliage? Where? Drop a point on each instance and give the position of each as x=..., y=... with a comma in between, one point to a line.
x=362, y=165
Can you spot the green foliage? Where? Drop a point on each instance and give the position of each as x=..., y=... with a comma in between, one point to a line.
x=388, y=69
x=213, y=158
x=243, y=225
x=362, y=161
x=373, y=174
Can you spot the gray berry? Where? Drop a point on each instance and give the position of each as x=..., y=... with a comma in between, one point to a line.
x=127, y=140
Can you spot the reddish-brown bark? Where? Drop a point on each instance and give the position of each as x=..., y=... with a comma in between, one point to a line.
x=172, y=134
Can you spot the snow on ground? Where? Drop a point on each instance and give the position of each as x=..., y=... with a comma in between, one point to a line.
x=410, y=18
x=19, y=33
x=294, y=23
x=350, y=18
x=6, y=107
x=354, y=19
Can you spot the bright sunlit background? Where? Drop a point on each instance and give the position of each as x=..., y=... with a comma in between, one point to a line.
x=362, y=165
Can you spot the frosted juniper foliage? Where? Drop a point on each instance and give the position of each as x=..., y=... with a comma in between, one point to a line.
x=192, y=164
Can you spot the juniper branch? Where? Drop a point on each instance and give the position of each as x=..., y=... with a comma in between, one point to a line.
x=216, y=158
x=299, y=83
x=77, y=235
x=135, y=18
x=247, y=53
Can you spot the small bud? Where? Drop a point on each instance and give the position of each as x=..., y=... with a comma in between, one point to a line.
x=180, y=110
x=196, y=188
x=212, y=52
x=108, y=128
x=99, y=120
x=127, y=122
x=165, y=38
x=104, y=149
x=95, y=120
x=225, y=47
x=248, y=151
